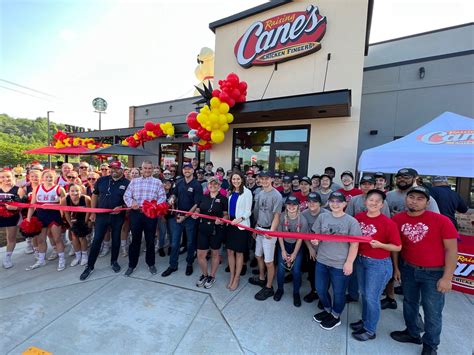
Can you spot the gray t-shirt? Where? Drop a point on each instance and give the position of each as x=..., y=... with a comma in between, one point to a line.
x=334, y=254
x=324, y=197
x=357, y=204
x=267, y=203
x=396, y=202
x=291, y=225
x=310, y=219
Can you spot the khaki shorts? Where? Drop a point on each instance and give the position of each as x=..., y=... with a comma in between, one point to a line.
x=265, y=246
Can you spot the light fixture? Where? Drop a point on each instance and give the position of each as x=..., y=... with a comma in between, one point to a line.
x=374, y=132
x=146, y=111
x=421, y=72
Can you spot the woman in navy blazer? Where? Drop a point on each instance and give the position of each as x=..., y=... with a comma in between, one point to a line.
x=240, y=210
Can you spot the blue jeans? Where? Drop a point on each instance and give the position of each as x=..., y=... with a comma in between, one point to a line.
x=190, y=225
x=295, y=271
x=419, y=286
x=163, y=229
x=373, y=275
x=353, y=287
x=326, y=276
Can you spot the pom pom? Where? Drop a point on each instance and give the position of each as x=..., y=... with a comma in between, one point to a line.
x=152, y=209
x=29, y=229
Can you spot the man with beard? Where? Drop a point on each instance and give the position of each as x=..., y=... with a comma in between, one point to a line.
x=251, y=181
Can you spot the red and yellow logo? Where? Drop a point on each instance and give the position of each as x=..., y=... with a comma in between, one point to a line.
x=448, y=137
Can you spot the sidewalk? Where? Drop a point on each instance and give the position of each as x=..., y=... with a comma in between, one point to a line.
x=113, y=314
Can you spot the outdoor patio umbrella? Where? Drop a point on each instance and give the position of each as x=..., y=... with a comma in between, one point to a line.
x=52, y=151
x=119, y=149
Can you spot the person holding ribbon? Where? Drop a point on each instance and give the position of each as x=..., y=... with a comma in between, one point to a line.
x=108, y=193
x=144, y=188
x=210, y=232
x=290, y=253
x=374, y=264
x=48, y=193
x=10, y=215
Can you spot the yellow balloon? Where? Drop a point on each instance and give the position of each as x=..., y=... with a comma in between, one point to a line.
x=150, y=134
x=213, y=117
x=205, y=109
x=222, y=119
x=217, y=136
x=224, y=107
x=124, y=142
x=200, y=117
x=230, y=117
x=224, y=127
x=202, y=142
x=215, y=102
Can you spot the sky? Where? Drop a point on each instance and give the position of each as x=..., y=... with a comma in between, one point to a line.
x=60, y=55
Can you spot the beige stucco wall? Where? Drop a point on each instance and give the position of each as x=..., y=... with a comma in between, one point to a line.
x=333, y=140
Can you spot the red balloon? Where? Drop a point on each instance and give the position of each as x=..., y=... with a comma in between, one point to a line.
x=243, y=86
x=157, y=131
x=233, y=78
x=231, y=102
x=206, y=135
x=241, y=98
x=149, y=126
x=192, y=121
x=216, y=93
x=235, y=94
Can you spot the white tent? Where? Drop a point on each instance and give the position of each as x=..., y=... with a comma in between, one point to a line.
x=444, y=146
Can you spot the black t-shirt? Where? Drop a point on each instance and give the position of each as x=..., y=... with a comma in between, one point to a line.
x=110, y=191
x=213, y=206
x=188, y=194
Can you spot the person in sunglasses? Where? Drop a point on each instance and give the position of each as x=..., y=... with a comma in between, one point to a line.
x=62, y=179
x=91, y=179
x=104, y=169
x=83, y=171
x=290, y=252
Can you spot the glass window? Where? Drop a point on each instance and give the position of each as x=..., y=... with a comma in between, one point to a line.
x=247, y=138
x=287, y=160
x=189, y=152
x=168, y=155
x=471, y=195
x=258, y=154
x=291, y=135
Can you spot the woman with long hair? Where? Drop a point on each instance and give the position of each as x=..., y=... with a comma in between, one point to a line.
x=77, y=221
x=240, y=210
x=48, y=193
x=9, y=215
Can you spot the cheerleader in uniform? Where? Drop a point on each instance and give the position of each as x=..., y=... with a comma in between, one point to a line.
x=79, y=229
x=9, y=215
x=48, y=193
x=34, y=177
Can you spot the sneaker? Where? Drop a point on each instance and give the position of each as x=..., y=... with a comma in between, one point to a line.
x=428, y=350
x=168, y=271
x=29, y=247
x=61, y=264
x=161, y=252
x=278, y=294
x=210, y=281
x=330, y=322
x=311, y=297
x=202, y=280
x=71, y=251
x=75, y=262
x=53, y=255
x=129, y=271
x=319, y=317
x=189, y=270
x=364, y=335
x=389, y=303
x=105, y=250
x=36, y=255
x=36, y=265
x=350, y=299
x=404, y=337
x=84, y=260
x=255, y=280
x=123, y=252
x=7, y=263
x=86, y=273
x=152, y=269
x=116, y=267
x=264, y=293
x=357, y=325
x=296, y=300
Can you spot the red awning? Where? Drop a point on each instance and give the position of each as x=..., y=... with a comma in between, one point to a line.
x=52, y=150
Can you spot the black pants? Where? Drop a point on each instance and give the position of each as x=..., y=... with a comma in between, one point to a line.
x=139, y=224
x=103, y=222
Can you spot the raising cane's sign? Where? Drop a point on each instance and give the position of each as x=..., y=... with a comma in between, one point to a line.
x=281, y=38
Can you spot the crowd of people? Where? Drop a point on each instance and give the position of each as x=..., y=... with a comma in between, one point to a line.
x=412, y=242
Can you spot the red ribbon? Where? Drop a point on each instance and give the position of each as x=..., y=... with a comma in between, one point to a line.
x=57, y=207
x=152, y=209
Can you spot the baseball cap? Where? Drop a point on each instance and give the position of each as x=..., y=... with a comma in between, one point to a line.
x=188, y=166
x=166, y=172
x=200, y=171
x=336, y=195
x=220, y=169
x=37, y=167
x=314, y=196
x=295, y=177
x=315, y=176
x=407, y=171
x=379, y=174
x=440, y=179
x=420, y=189
x=264, y=173
x=116, y=164
x=214, y=179
x=367, y=178
x=292, y=200
x=276, y=175
x=377, y=191
x=210, y=173
x=250, y=172
x=168, y=180
x=326, y=176
x=306, y=180
x=349, y=173
x=286, y=179
x=209, y=163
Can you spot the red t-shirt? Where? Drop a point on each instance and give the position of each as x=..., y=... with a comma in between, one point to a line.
x=422, y=237
x=279, y=188
x=303, y=200
x=380, y=228
x=350, y=193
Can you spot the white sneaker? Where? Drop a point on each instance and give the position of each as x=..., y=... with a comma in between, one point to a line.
x=105, y=251
x=36, y=265
x=7, y=263
x=53, y=255
x=71, y=251
x=76, y=261
x=36, y=256
x=124, y=252
x=61, y=264
x=29, y=247
x=84, y=260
